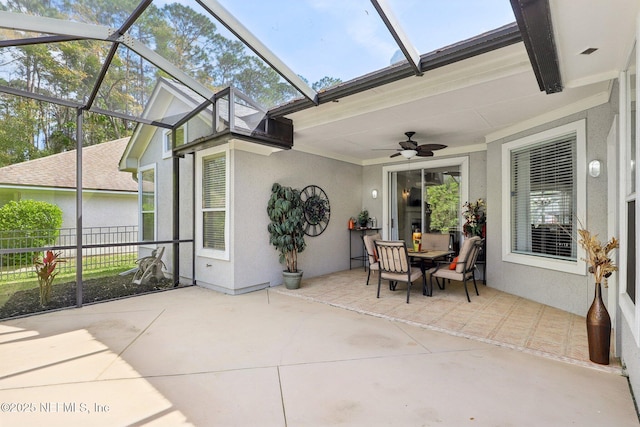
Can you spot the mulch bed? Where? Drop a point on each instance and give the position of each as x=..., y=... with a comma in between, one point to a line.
x=64, y=294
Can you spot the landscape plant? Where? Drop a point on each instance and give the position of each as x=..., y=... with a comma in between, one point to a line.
x=28, y=224
x=46, y=271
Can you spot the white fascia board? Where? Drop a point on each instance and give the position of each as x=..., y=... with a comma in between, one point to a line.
x=41, y=24
x=253, y=43
x=65, y=190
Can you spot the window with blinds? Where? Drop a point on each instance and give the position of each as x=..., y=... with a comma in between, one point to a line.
x=543, y=199
x=148, y=204
x=214, y=201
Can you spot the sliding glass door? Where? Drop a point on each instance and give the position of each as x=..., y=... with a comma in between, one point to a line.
x=425, y=198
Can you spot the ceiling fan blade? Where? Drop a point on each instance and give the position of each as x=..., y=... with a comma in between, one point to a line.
x=431, y=147
x=424, y=153
x=395, y=155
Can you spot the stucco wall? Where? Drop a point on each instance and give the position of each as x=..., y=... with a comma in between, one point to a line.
x=373, y=177
x=570, y=292
x=164, y=210
x=253, y=261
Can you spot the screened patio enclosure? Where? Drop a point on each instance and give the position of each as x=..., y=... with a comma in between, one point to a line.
x=86, y=65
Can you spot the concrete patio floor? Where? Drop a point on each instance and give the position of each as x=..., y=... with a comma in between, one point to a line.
x=192, y=356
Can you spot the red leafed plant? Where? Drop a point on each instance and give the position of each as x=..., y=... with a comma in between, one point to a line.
x=45, y=268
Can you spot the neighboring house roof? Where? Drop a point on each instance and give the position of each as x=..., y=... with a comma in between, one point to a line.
x=99, y=170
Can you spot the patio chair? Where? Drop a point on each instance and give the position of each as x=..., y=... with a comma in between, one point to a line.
x=369, y=244
x=464, y=268
x=394, y=265
x=435, y=242
x=149, y=267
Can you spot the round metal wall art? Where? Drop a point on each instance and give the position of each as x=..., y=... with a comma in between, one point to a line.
x=317, y=210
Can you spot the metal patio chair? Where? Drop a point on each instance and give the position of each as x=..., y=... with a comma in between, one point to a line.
x=393, y=260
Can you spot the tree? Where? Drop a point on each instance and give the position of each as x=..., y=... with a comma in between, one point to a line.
x=325, y=83
x=69, y=70
x=444, y=201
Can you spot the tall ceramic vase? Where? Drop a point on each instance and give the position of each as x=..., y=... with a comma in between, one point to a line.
x=598, y=329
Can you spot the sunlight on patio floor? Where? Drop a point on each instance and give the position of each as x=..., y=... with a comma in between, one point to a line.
x=493, y=317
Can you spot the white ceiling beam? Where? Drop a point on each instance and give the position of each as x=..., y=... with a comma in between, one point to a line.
x=253, y=43
x=408, y=49
x=41, y=24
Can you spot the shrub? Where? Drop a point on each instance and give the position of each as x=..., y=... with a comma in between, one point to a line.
x=28, y=224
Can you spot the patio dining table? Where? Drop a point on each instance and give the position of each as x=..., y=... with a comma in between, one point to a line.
x=428, y=255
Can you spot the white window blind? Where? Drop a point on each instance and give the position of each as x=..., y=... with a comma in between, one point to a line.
x=543, y=199
x=214, y=201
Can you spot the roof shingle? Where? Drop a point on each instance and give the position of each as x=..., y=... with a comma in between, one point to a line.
x=99, y=169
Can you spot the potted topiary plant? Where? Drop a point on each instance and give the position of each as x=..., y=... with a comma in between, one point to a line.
x=363, y=218
x=286, y=230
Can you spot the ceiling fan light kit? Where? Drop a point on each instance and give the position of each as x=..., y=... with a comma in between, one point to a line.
x=410, y=148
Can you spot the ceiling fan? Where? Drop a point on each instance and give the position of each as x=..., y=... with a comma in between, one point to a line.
x=411, y=148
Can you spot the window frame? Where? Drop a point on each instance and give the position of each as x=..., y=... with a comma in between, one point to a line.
x=200, y=249
x=630, y=310
x=141, y=211
x=577, y=266
x=167, y=149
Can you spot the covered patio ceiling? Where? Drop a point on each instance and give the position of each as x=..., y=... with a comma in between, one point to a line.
x=461, y=95
x=466, y=104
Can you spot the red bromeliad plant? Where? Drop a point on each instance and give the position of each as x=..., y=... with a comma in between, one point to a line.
x=45, y=269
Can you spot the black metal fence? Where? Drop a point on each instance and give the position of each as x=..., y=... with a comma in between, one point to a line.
x=16, y=263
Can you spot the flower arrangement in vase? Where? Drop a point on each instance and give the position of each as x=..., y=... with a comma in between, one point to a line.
x=598, y=320
x=475, y=218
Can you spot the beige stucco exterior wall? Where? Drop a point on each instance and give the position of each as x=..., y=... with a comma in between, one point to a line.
x=253, y=262
x=153, y=156
x=570, y=292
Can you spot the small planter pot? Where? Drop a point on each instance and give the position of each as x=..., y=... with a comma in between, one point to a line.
x=292, y=280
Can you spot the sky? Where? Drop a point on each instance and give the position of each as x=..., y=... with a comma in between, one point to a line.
x=347, y=38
